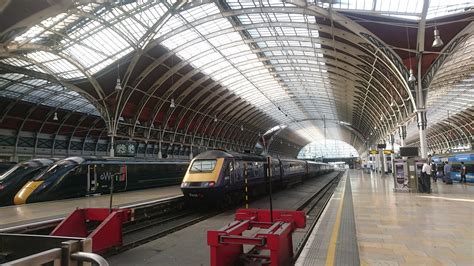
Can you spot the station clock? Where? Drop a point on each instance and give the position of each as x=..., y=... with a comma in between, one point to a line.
x=125, y=148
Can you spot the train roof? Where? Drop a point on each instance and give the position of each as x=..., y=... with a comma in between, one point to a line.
x=81, y=160
x=212, y=154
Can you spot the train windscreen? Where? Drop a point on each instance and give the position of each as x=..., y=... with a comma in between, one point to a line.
x=56, y=170
x=203, y=166
x=11, y=172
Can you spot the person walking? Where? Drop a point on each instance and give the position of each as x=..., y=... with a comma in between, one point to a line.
x=463, y=172
x=425, y=177
x=447, y=173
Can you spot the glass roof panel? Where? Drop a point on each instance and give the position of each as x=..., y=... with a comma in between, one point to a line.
x=410, y=9
x=93, y=41
x=38, y=91
x=329, y=148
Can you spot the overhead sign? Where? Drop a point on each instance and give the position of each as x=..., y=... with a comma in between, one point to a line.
x=387, y=151
x=374, y=152
x=381, y=146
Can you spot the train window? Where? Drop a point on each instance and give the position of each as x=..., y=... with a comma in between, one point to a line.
x=56, y=170
x=203, y=166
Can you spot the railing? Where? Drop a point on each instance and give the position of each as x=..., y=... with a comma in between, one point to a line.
x=22, y=250
x=55, y=256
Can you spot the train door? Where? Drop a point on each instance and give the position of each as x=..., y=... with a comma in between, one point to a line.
x=229, y=173
x=92, y=184
x=106, y=172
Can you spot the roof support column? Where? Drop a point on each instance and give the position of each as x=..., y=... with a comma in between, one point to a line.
x=420, y=98
x=403, y=134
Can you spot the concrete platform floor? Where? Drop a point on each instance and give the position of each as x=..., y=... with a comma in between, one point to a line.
x=396, y=228
x=27, y=213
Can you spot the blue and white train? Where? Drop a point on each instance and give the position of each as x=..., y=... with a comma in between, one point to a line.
x=455, y=160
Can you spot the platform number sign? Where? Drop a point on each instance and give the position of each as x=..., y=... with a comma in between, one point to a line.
x=126, y=149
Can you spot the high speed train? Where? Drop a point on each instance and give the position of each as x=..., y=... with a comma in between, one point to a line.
x=18, y=175
x=80, y=176
x=218, y=175
x=5, y=166
x=455, y=160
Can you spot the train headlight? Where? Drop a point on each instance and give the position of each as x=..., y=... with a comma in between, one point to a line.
x=185, y=184
x=209, y=184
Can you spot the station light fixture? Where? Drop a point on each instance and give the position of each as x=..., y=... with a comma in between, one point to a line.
x=118, y=86
x=55, y=117
x=172, y=104
x=437, y=42
x=241, y=128
x=215, y=118
x=412, y=76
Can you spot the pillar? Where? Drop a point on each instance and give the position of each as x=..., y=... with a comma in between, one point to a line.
x=421, y=119
x=112, y=149
x=403, y=134
x=160, y=155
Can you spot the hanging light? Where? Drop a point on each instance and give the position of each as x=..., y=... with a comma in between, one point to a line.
x=412, y=76
x=437, y=42
x=259, y=134
x=215, y=118
x=172, y=105
x=241, y=128
x=55, y=118
x=118, y=86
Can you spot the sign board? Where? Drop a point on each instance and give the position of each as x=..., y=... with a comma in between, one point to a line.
x=374, y=152
x=381, y=146
x=387, y=151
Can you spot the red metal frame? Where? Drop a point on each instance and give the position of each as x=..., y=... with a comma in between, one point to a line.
x=275, y=236
x=109, y=232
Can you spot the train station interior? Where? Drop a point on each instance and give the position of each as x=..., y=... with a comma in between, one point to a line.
x=237, y=132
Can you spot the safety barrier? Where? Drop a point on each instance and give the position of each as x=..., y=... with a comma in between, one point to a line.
x=106, y=235
x=275, y=236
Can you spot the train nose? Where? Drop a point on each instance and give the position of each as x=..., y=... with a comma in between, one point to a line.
x=25, y=192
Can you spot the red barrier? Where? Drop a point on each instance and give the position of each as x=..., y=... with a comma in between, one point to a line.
x=109, y=232
x=276, y=237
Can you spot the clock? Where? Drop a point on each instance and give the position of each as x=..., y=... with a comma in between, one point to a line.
x=121, y=149
x=131, y=149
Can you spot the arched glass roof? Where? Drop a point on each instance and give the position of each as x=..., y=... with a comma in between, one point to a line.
x=296, y=64
x=329, y=148
x=39, y=91
x=409, y=9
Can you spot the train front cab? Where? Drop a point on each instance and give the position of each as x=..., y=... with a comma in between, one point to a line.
x=202, y=180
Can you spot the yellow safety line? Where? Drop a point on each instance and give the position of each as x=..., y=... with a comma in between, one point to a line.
x=330, y=256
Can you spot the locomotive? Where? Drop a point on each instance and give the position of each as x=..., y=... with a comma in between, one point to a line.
x=218, y=175
x=17, y=176
x=80, y=176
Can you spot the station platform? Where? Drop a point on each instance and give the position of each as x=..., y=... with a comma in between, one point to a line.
x=367, y=223
x=35, y=212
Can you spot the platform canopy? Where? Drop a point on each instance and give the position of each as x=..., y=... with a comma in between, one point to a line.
x=223, y=73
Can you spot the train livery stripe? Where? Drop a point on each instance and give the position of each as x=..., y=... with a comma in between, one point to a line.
x=25, y=192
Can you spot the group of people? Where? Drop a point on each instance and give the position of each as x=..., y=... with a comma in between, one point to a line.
x=442, y=170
